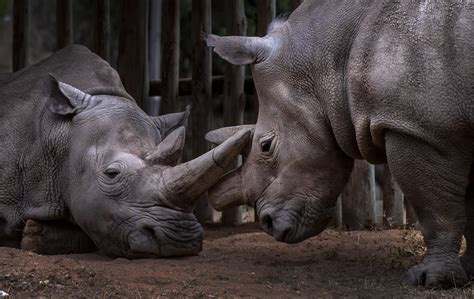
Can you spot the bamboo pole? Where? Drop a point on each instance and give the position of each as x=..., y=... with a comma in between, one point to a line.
x=170, y=56
x=20, y=53
x=234, y=96
x=132, y=60
x=202, y=91
x=102, y=29
x=63, y=23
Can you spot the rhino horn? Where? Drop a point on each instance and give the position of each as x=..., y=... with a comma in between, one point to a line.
x=184, y=183
x=220, y=135
x=241, y=50
x=169, y=150
x=228, y=192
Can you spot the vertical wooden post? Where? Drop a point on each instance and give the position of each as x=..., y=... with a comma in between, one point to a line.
x=359, y=206
x=20, y=51
x=132, y=60
x=393, y=201
x=234, y=96
x=201, y=115
x=154, y=52
x=266, y=11
x=170, y=56
x=63, y=23
x=154, y=39
x=102, y=29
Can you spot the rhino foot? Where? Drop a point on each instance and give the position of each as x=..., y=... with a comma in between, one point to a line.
x=55, y=237
x=436, y=275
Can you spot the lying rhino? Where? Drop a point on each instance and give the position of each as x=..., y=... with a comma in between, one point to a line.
x=384, y=81
x=79, y=156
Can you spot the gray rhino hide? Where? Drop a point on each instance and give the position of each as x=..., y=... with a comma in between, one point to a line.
x=25, y=194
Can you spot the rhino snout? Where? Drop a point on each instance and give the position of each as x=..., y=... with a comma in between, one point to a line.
x=291, y=223
x=165, y=240
x=160, y=232
x=276, y=226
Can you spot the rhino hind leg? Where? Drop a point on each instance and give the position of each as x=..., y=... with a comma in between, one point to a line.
x=436, y=187
x=55, y=237
x=467, y=260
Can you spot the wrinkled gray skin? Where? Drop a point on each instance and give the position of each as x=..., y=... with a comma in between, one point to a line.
x=383, y=81
x=79, y=156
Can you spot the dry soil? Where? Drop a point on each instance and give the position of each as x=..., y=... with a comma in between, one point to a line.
x=235, y=262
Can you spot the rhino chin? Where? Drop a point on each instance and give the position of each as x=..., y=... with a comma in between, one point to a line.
x=303, y=233
x=164, y=242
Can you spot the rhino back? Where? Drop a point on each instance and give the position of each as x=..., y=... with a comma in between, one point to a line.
x=411, y=69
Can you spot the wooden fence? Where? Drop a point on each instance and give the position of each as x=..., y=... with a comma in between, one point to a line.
x=359, y=206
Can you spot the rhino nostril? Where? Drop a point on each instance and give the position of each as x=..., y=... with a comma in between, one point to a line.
x=267, y=222
x=281, y=236
x=149, y=232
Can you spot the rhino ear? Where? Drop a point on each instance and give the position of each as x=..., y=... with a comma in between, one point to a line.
x=169, y=122
x=72, y=102
x=240, y=50
x=218, y=136
x=170, y=149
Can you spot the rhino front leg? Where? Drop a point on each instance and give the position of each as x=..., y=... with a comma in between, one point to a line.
x=435, y=182
x=467, y=260
x=55, y=237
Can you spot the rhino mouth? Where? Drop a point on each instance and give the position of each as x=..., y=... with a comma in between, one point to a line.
x=292, y=223
x=166, y=240
x=162, y=232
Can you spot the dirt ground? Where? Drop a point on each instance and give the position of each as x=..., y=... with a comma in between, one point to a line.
x=235, y=262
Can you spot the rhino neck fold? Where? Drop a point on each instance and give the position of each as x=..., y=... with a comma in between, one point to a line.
x=48, y=153
x=333, y=34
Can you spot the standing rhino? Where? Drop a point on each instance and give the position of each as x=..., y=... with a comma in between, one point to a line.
x=87, y=160
x=384, y=81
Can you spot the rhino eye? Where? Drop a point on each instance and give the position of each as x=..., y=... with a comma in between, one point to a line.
x=266, y=146
x=111, y=173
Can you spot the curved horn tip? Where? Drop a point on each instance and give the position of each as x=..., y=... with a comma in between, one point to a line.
x=240, y=138
x=209, y=39
x=220, y=135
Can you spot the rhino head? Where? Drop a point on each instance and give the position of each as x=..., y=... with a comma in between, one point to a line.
x=294, y=169
x=124, y=186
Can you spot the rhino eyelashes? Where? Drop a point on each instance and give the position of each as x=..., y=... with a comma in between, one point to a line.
x=111, y=173
x=266, y=145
